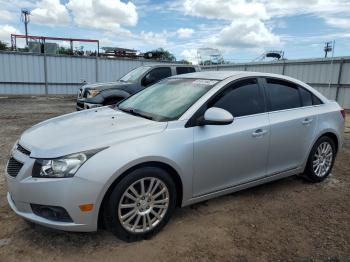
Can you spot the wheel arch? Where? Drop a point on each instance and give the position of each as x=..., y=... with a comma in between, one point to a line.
x=333, y=136
x=112, y=94
x=166, y=167
x=329, y=133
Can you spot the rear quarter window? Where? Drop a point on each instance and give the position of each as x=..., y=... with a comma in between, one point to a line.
x=316, y=100
x=306, y=97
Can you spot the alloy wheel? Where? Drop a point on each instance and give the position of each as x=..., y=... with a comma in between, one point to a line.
x=323, y=159
x=143, y=205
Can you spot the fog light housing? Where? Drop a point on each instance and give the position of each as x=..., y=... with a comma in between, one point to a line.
x=54, y=213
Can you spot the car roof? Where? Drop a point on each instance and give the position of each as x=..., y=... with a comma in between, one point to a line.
x=222, y=75
x=166, y=64
x=213, y=75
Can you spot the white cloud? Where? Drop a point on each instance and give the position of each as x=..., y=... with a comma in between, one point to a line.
x=316, y=7
x=185, y=32
x=335, y=13
x=246, y=33
x=225, y=9
x=109, y=15
x=251, y=23
x=190, y=55
x=247, y=22
x=50, y=12
x=6, y=31
x=338, y=22
x=154, y=39
x=6, y=16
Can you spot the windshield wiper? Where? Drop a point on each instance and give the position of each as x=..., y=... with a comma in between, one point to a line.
x=135, y=112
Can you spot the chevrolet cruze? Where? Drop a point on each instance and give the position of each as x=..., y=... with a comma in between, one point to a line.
x=186, y=139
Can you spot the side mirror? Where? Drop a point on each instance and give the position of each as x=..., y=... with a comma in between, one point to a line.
x=216, y=116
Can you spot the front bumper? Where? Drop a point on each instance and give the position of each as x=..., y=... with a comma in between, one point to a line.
x=81, y=105
x=29, y=215
x=68, y=193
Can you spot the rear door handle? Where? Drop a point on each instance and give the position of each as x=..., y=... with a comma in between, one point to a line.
x=306, y=121
x=259, y=132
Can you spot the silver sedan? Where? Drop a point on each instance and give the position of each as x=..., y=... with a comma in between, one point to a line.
x=183, y=140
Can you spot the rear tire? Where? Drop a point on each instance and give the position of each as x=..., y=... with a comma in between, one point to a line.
x=141, y=204
x=321, y=160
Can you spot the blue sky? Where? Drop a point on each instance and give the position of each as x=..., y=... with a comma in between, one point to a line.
x=240, y=29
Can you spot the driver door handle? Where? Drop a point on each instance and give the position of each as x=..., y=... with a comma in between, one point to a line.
x=259, y=132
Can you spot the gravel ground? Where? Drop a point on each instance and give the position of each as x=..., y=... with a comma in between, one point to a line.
x=287, y=220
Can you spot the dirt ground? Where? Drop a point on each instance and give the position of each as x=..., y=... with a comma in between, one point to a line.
x=287, y=220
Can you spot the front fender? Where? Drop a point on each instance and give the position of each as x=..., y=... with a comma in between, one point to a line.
x=172, y=147
x=112, y=93
x=107, y=94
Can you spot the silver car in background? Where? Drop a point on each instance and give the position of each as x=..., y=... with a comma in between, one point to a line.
x=183, y=140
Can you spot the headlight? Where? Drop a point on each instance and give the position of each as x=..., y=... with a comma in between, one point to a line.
x=65, y=166
x=92, y=93
x=14, y=147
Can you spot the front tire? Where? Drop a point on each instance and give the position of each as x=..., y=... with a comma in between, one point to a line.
x=140, y=204
x=321, y=160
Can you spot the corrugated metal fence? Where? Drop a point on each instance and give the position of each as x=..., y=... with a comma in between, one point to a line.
x=25, y=73
x=329, y=76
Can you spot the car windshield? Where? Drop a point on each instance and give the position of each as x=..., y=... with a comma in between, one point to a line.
x=168, y=99
x=135, y=74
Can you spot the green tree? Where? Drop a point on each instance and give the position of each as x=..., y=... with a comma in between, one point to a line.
x=167, y=55
x=163, y=54
x=3, y=46
x=64, y=51
x=184, y=61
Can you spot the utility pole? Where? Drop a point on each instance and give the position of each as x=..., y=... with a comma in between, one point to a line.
x=327, y=48
x=25, y=15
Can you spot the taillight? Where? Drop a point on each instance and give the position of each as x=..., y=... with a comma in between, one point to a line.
x=343, y=113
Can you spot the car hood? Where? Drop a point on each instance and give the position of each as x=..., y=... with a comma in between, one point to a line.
x=109, y=85
x=86, y=130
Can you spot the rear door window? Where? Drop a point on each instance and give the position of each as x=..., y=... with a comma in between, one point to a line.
x=184, y=70
x=282, y=94
x=159, y=73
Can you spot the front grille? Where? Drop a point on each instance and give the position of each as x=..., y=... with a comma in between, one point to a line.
x=80, y=93
x=23, y=150
x=85, y=93
x=13, y=167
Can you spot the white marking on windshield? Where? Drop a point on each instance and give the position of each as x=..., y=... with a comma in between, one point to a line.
x=205, y=82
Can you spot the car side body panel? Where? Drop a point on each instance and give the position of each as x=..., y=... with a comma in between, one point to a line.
x=225, y=156
x=129, y=141
x=292, y=133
